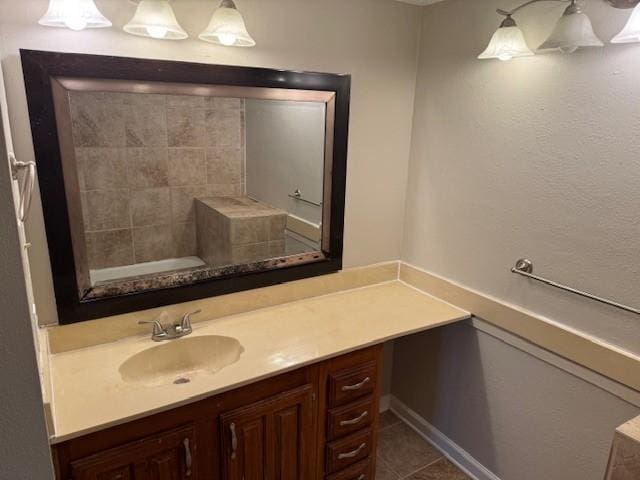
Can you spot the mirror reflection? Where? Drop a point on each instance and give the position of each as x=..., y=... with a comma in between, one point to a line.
x=174, y=182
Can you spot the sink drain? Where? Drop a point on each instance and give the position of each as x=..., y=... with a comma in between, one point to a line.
x=180, y=381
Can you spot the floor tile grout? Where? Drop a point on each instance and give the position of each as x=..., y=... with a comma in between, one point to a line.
x=395, y=474
x=422, y=467
x=381, y=460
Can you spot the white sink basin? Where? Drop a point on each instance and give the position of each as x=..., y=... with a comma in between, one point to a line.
x=178, y=361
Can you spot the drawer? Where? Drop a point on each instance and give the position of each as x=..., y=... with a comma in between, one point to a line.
x=348, y=451
x=342, y=421
x=360, y=471
x=352, y=383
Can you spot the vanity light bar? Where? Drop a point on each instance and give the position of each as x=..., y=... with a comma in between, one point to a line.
x=572, y=31
x=153, y=19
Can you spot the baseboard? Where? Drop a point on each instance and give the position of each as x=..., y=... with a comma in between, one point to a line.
x=385, y=402
x=451, y=450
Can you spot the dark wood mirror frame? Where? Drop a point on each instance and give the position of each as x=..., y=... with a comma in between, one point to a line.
x=43, y=70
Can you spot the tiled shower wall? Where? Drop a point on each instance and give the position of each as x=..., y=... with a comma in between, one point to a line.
x=142, y=159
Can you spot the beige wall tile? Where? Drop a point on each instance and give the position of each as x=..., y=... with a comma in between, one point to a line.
x=277, y=226
x=112, y=248
x=249, y=253
x=85, y=210
x=148, y=167
x=226, y=190
x=223, y=128
x=224, y=165
x=276, y=248
x=182, y=202
x=146, y=125
x=150, y=206
x=102, y=168
x=108, y=209
x=187, y=166
x=97, y=120
x=185, y=127
x=152, y=243
x=184, y=239
x=249, y=230
x=186, y=101
x=144, y=99
x=223, y=103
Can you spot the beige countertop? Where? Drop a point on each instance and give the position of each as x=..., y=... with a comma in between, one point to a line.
x=89, y=394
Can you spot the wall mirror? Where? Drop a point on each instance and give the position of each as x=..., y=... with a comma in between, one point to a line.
x=165, y=182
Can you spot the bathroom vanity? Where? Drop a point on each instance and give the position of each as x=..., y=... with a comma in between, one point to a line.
x=286, y=392
x=319, y=421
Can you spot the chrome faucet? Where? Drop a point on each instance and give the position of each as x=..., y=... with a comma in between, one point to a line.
x=161, y=333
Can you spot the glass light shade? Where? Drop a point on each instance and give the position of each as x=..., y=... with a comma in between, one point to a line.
x=155, y=19
x=573, y=31
x=631, y=31
x=74, y=14
x=227, y=27
x=507, y=43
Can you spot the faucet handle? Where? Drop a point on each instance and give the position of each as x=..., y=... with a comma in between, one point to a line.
x=186, y=319
x=158, y=329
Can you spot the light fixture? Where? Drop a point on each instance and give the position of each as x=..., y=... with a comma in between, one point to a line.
x=155, y=19
x=227, y=27
x=631, y=31
x=507, y=42
x=74, y=14
x=573, y=31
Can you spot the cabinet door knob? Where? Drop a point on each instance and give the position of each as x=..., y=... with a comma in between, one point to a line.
x=234, y=440
x=354, y=421
x=357, y=386
x=352, y=453
x=188, y=460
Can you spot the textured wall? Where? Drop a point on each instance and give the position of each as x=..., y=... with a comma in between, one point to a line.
x=520, y=417
x=374, y=40
x=535, y=157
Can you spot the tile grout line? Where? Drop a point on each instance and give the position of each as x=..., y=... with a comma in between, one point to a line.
x=424, y=467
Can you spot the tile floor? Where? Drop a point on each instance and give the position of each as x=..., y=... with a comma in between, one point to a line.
x=403, y=454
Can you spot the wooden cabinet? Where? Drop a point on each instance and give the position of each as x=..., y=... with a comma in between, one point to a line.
x=315, y=423
x=166, y=456
x=270, y=439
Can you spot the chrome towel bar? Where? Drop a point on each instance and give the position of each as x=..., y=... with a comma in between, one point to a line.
x=524, y=267
x=297, y=195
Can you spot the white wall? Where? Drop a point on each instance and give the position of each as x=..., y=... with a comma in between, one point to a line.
x=284, y=152
x=374, y=40
x=24, y=447
x=536, y=157
x=520, y=417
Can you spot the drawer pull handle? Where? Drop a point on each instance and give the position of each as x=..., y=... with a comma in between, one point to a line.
x=188, y=460
x=353, y=453
x=357, y=386
x=361, y=477
x=354, y=421
x=234, y=441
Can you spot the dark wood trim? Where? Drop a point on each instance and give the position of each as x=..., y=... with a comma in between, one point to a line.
x=40, y=68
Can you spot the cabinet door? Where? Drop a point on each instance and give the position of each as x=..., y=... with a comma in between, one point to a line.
x=167, y=456
x=272, y=439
